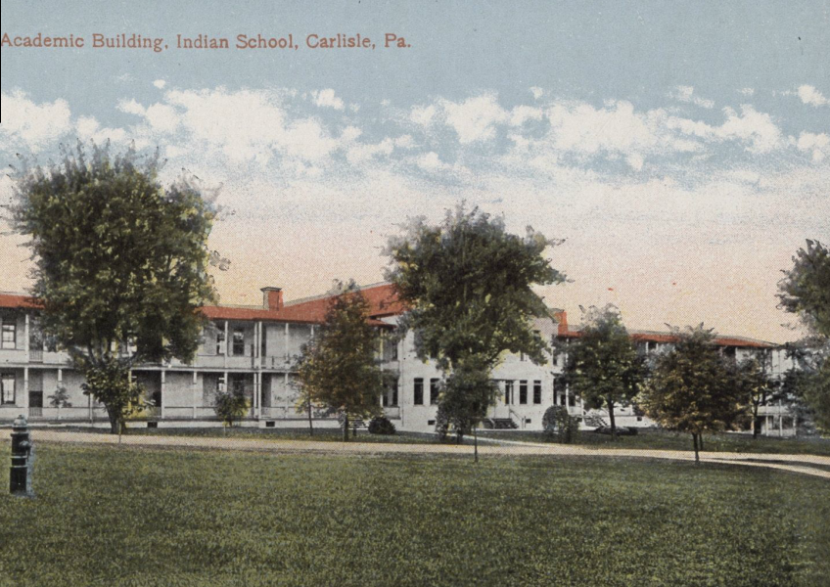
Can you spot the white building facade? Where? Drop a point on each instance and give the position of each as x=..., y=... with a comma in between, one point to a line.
x=255, y=350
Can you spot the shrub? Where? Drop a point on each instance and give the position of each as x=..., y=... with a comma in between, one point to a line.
x=381, y=425
x=559, y=425
x=230, y=406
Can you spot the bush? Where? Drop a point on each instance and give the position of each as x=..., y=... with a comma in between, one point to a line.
x=559, y=426
x=231, y=406
x=381, y=425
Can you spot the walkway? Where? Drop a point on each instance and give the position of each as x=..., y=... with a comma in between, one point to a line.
x=816, y=466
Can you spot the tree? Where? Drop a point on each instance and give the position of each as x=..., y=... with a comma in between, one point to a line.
x=60, y=399
x=603, y=366
x=757, y=388
x=231, y=406
x=468, y=284
x=338, y=368
x=120, y=265
x=805, y=290
x=692, y=388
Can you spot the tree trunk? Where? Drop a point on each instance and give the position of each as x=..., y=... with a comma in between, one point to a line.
x=475, y=442
x=354, y=429
x=346, y=428
x=756, y=423
x=700, y=441
x=697, y=452
x=310, y=424
x=114, y=421
x=613, y=421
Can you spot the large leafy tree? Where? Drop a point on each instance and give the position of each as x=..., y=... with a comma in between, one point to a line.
x=603, y=366
x=339, y=368
x=692, y=388
x=805, y=290
x=120, y=265
x=468, y=284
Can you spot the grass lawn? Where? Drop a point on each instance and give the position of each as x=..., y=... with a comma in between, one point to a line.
x=121, y=516
x=650, y=439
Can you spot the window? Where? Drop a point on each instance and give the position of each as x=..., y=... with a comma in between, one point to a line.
x=238, y=382
x=220, y=341
x=523, y=392
x=238, y=342
x=419, y=391
x=220, y=384
x=7, y=392
x=537, y=392
x=434, y=388
x=508, y=393
x=9, y=336
x=572, y=401
x=263, y=346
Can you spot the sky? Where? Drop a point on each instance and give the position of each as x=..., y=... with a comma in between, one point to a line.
x=681, y=150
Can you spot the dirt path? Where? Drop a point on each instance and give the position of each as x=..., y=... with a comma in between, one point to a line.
x=804, y=464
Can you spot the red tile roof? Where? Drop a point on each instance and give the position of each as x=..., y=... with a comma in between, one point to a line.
x=665, y=337
x=18, y=301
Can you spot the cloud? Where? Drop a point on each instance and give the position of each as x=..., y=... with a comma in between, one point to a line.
x=474, y=119
x=747, y=91
x=160, y=83
x=686, y=94
x=810, y=95
x=756, y=130
x=88, y=129
x=30, y=125
x=818, y=145
x=328, y=99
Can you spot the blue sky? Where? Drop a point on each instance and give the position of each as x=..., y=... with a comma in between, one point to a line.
x=682, y=149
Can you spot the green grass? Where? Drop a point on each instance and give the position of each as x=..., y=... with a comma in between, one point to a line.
x=121, y=516
x=649, y=439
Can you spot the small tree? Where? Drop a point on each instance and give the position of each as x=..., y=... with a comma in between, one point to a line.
x=231, y=406
x=692, y=388
x=559, y=425
x=757, y=388
x=60, y=400
x=120, y=265
x=603, y=366
x=339, y=368
x=468, y=284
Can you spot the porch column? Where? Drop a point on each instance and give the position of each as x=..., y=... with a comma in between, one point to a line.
x=287, y=339
x=227, y=345
x=195, y=392
x=26, y=341
x=163, y=386
x=60, y=384
x=24, y=403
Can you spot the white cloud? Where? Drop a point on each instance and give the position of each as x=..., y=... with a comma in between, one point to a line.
x=475, y=119
x=818, y=145
x=89, y=129
x=687, y=94
x=754, y=129
x=160, y=83
x=35, y=126
x=810, y=95
x=747, y=91
x=432, y=163
x=328, y=99
x=423, y=115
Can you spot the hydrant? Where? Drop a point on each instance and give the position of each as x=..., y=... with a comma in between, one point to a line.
x=23, y=457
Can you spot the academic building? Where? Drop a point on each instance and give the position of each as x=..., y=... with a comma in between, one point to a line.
x=255, y=350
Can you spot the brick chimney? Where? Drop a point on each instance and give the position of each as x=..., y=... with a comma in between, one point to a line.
x=272, y=298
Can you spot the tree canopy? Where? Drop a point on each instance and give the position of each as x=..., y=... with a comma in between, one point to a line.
x=120, y=264
x=339, y=368
x=805, y=288
x=468, y=284
x=692, y=388
x=603, y=366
